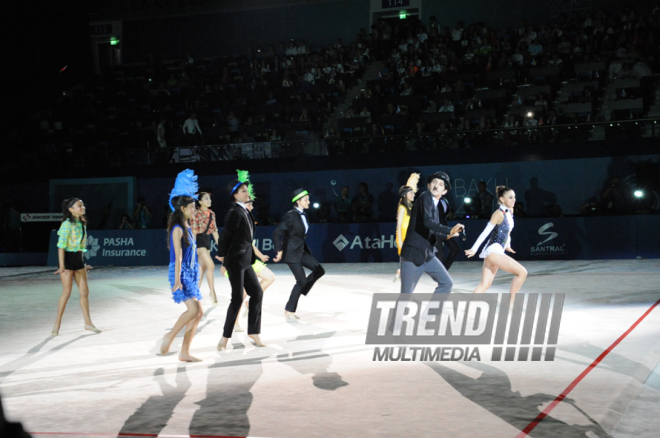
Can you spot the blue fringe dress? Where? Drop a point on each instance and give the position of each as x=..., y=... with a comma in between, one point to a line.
x=189, y=269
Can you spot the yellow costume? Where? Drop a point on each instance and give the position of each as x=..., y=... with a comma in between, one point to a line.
x=404, y=226
x=412, y=184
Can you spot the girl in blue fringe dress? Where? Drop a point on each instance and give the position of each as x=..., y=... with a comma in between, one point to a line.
x=183, y=270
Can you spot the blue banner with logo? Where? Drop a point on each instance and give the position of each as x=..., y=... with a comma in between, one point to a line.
x=571, y=238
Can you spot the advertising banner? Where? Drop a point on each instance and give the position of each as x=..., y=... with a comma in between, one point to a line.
x=572, y=238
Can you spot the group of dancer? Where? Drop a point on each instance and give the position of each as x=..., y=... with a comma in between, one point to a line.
x=421, y=234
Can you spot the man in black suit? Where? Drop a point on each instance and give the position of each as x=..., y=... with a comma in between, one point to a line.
x=424, y=230
x=289, y=238
x=445, y=212
x=235, y=251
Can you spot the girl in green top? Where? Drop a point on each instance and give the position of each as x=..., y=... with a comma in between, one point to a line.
x=71, y=245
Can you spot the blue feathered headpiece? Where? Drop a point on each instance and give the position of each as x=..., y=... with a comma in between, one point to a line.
x=185, y=185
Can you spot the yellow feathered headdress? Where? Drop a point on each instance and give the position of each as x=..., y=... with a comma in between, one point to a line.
x=413, y=181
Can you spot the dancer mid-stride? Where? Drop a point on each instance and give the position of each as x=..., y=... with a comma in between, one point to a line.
x=184, y=269
x=71, y=245
x=499, y=232
x=266, y=276
x=236, y=252
x=290, y=245
x=203, y=226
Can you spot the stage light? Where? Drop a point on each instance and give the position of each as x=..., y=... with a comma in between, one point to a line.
x=114, y=41
x=472, y=206
x=530, y=114
x=316, y=205
x=402, y=15
x=639, y=194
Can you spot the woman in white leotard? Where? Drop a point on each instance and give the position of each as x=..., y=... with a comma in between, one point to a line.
x=498, y=231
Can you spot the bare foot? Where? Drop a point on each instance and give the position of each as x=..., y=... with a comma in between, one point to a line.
x=222, y=345
x=214, y=298
x=91, y=328
x=165, y=344
x=188, y=358
x=290, y=315
x=257, y=340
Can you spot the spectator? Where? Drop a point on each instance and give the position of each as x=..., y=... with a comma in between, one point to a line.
x=591, y=208
x=612, y=199
x=343, y=203
x=232, y=125
x=535, y=49
x=486, y=198
x=539, y=202
x=447, y=107
x=362, y=204
x=142, y=215
x=365, y=113
x=191, y=129
x=518, y=58
x=126, y=223
x=541, y=101
x=160, y=134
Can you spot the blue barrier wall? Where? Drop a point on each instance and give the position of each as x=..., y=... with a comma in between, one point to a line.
x=570, y=182
x=573, y=238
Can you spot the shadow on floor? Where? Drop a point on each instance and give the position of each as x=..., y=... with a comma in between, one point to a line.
x=313, y=360
x=492, y=391
x=156, y=411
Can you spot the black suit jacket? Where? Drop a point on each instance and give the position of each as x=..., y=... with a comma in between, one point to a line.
x=442, y=214
x=235, y=239
x=289, y=237
x=424, y=231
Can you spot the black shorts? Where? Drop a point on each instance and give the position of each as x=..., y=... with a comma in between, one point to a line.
x=73, y=261
x=204, y=241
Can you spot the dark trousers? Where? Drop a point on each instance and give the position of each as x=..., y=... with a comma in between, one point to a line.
x=454, y=251
x=303, y=284
x=244, y=279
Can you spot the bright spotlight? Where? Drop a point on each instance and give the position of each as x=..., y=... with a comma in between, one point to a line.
x=639, y=194
x=316, y=205
x=467, y=200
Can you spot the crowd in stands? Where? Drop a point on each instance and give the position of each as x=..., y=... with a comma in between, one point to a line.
x=446, y=81
x=272, y=93
x=459, y=86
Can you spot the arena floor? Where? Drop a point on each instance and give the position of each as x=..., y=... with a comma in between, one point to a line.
x=316, y=377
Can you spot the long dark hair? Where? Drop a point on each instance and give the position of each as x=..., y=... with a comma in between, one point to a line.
x=501, y=191
x=177, y=217
x=200, y=195
x=403, y=198
x=67, y=216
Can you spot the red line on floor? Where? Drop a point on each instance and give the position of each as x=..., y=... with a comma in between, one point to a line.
x=579, y=378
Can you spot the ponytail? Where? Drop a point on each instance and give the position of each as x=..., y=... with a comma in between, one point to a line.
x=501, y=191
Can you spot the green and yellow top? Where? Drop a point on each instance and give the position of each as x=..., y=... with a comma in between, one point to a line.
x=73, y=236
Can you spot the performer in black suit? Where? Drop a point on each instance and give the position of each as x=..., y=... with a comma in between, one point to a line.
x=418, y=252
x=235, y=251
x=445, y=212
x=289, y=238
